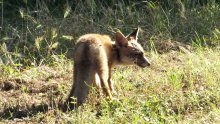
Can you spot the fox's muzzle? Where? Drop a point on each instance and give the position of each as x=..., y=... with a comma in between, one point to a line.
x=143, y=62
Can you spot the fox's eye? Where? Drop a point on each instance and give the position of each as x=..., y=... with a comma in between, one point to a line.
x=139, y=54
x=136, y=54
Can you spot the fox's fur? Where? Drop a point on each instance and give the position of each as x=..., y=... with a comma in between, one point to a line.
x=95, y=55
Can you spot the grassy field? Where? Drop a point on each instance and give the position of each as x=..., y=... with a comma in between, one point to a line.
x=181, y=39
x=177, y=88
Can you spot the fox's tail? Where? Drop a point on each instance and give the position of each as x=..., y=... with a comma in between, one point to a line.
x=82, y=83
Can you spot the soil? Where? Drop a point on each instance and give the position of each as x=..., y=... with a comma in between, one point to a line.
x=27, y=95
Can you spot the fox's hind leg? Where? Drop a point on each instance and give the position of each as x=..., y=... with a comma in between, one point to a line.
x=103, y=75
x=97, y=84
x=110, y=83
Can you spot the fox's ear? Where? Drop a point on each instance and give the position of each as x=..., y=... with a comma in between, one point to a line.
x=120, y=39
x=133, y=35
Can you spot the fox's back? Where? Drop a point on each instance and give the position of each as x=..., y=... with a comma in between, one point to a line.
x=94, y=38
x=92, y=47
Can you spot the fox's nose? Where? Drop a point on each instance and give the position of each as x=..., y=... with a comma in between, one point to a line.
x=145, y=63
x=148, y=63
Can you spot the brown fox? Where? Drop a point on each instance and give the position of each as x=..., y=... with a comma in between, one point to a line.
x=95, y=55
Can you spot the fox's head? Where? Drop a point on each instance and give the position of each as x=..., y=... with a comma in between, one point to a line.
x=129, y=50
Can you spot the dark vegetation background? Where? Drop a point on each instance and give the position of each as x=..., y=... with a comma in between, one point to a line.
x=33, y=30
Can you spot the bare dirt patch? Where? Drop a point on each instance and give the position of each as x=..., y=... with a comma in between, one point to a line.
x=28, y=95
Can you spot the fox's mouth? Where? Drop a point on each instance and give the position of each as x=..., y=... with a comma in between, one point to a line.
x=144, y=64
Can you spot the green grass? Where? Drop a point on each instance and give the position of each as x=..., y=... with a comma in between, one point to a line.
x=181, y=38
x=177, y=88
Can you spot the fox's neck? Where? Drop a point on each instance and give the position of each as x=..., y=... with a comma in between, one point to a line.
x=115, y=55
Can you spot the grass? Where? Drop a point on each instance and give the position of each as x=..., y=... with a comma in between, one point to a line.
x=181, y=38
x=177, y=88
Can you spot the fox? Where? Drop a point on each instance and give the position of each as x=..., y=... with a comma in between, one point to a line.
x=94, y=57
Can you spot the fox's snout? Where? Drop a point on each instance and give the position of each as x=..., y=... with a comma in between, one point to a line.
x=144, y=62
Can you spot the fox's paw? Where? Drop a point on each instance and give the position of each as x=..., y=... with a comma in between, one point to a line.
x=112, y=98
x=114, y=92
x=115, y=99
